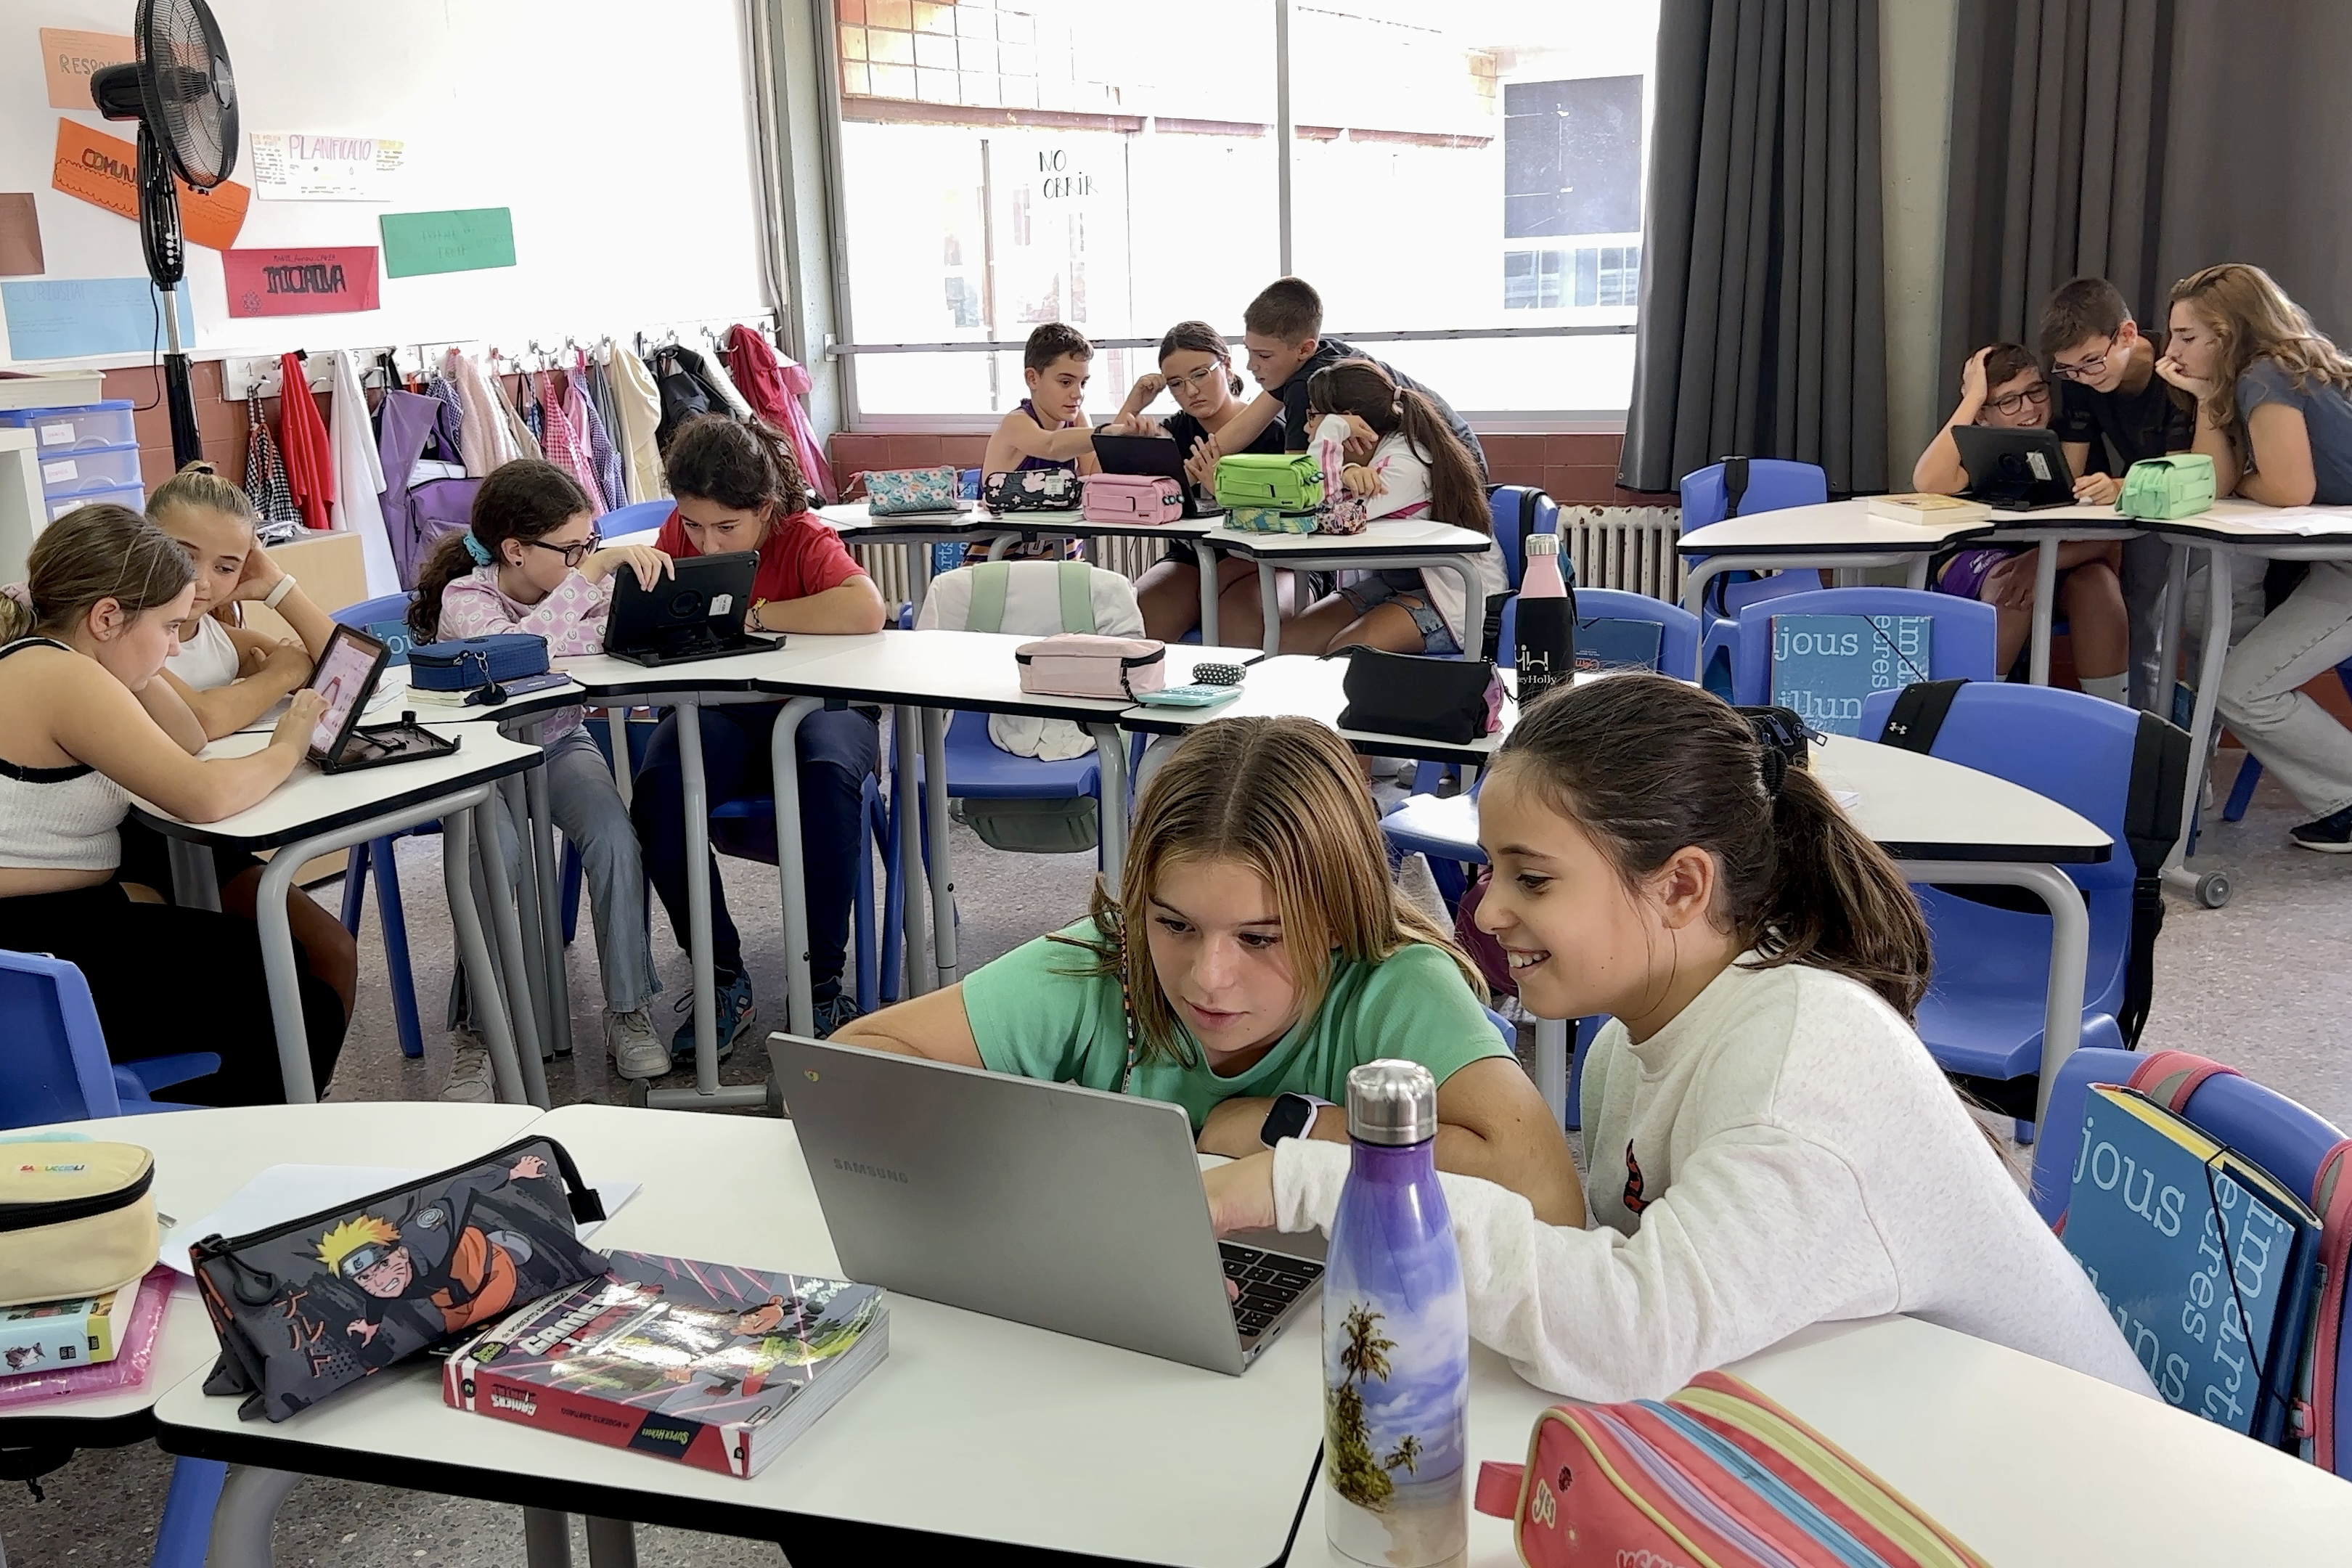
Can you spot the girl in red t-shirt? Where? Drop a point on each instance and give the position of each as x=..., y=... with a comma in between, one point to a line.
x=738, y=487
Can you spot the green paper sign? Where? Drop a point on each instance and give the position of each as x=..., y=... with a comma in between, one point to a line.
x=467, y=241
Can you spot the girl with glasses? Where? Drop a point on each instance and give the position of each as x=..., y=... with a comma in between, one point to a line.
x=531, y=563
x=2001, y=386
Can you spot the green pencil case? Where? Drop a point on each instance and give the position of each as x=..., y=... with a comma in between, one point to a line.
x=1269, y=520
x=2161, y=489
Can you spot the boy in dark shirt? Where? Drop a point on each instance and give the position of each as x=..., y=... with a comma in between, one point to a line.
x=2113, y=411
x=1282, y=331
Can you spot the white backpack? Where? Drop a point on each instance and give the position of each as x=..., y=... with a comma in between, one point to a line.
x=1033, y=598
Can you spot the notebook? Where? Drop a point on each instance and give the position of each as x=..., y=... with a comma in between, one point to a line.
x=1823, y=666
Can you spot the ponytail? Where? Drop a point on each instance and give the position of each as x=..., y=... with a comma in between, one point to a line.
x=1457, y=490
x=90, y=555
x=526, y=498
x=200, y=485
x=1648, y=766
x=741, y=464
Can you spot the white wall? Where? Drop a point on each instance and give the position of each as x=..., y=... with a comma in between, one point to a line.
x=619, y=132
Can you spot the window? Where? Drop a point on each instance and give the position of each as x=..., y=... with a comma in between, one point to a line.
x=1115, y=165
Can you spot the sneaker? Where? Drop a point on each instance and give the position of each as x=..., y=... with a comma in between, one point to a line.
x=734, y=1021
x=2329, y=835
x=832, y=1012
x=637, y=1051
x=470, y=1069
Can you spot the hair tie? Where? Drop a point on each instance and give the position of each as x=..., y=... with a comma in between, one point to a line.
x=476, y=549
x=1776, y=770
x=21, y=592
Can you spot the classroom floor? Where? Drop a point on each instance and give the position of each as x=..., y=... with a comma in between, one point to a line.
x=2261, y=985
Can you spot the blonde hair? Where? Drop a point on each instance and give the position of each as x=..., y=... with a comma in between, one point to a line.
x=2252, y=318
x=91, y=555
x=341, y=1241
x=200, y=485
x=1283, y=797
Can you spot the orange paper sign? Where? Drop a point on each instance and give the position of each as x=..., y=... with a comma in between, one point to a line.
x=71, y=58
x=104, y=171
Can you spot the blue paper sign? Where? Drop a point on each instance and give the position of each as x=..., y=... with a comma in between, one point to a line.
x=1824, y=665
x=77, y=318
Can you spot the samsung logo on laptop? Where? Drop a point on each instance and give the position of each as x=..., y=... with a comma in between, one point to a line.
x=879, y=1172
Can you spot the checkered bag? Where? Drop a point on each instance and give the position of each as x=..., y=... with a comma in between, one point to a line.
x=265, y=469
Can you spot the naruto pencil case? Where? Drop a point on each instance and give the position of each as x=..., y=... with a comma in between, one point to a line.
x=312, y=1306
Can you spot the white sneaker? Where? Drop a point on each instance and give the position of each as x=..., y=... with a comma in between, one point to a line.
x=635, y=1049
x=470, y=1069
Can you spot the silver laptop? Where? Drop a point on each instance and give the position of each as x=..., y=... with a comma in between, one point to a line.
x=1062, y=1207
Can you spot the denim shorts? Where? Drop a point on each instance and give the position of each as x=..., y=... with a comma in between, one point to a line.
x=1405, y=588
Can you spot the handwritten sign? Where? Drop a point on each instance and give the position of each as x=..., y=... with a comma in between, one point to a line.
x=416, y=244
x=301, y=282
x=59, y=318
x=70, y=59
x=293, y=165
x=103, y=171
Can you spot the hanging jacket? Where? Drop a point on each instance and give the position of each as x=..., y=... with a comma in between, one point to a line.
x=608, y=420
x=565, y=446
x=775, y=386
x=359, y=477
x=483, y=433
x=714, y=375
x=519, y=435
x=639, y=401
x=415, y=516
x=595, y=447
x=684, y=393
x=310, y=462
x=264, y=468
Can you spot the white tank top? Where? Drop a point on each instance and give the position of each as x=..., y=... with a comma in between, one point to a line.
x=207, y=658
x=59, y=819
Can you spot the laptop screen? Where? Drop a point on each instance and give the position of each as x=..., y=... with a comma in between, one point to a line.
x=341, y=678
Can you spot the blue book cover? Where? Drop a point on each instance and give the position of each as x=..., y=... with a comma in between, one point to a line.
x=2207, y=1265
x=1605, y=642
x=1824, y=665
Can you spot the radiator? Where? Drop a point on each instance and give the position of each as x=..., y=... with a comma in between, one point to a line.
x=1628, y=547
x=886, y=564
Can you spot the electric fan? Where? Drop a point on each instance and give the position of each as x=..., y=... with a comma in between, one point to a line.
x=184, y=96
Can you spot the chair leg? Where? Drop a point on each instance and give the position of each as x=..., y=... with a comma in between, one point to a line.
x=894, y=902
x=355, y=870
x=571, y=897
x=862, y=932
x=185, y=1532
x=395, y=922
x=2025, y=1135
x=2241, y=790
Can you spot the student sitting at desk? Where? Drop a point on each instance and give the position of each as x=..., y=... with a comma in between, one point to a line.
x=531, y=563
x=1197, y=370
x=2000, y=386
x=738, y=487
x=2274, y=413
x=1771, y=1146
x=84, y=725
x=1414, y=468
x=1255, y=952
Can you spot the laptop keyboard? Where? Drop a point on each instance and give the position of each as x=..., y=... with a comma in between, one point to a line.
x=1269, y=1283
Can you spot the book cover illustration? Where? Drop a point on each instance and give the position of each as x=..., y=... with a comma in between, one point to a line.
x=715, y=1366
x=48, y=1336
x=1823, y=666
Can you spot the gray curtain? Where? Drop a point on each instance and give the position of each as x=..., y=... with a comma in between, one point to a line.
x=1763, y=297
x=2138, y=140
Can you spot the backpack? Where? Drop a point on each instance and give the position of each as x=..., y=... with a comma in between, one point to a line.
x=1035, y=599
x=2159, y=773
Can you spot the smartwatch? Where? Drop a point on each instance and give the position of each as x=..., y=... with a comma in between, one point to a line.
x=1292, y=1116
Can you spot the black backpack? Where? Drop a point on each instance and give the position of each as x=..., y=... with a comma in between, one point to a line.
x=2159, y=773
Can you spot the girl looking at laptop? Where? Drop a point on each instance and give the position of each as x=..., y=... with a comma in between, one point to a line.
x=85, y=724
x=531, y=562
x=1254, y=953
x=738, y=487
x=1771, y=1146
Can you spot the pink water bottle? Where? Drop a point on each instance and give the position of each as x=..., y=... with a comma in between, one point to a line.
x=1546, y=639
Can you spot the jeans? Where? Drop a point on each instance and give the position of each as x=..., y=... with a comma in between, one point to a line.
x=2299, y=741
x=2146, y=562
x=836, y=750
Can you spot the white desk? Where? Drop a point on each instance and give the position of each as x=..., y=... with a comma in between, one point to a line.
x=1404, y=544
x=975, y=1432
x=2030, y=1465
x=314, y=813
x=201, y=1158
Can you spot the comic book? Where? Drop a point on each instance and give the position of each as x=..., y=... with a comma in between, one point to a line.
x=51, y=1336
x=710, y=1365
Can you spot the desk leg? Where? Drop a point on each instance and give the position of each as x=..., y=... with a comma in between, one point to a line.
x=282, y=975
x=792, y=859
x=1269, y=602
x=1473, y=613
x=907, y=793
x=1914, y=575
x=935, y=812
x=2045, y=600
x=1001, y=543
x=706, y=1094
x=531, y=1030
x=2168, y=643
x=556, y=987
x=546, y=1539
x=918, y=573
x=2070, y=949
x=2215, y=891
x=474, y=952
x=1110, y=749
x=506, y=929
x=195, y=883
x=1204, y=560
x=616, y=730
x=1552, y=1050
x=1701, y=573
x=1161, y=748
x=611, y=1543
x=247, y=1511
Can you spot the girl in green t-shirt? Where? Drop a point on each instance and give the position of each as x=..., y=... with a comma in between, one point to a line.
x=1255, y=952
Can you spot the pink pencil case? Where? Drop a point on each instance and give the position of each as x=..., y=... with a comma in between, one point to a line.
x=1083, y=664
x=1130, y=498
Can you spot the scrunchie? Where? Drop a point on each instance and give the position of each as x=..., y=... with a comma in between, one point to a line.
x=1776, y=770
x=19, y=592
x=476, y=549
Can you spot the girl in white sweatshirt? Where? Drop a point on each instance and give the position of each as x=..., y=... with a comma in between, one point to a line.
x=1769, y=1145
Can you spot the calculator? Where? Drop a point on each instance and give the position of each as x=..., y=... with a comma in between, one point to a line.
x=1212, y=684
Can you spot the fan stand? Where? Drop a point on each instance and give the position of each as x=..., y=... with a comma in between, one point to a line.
x=187, y=441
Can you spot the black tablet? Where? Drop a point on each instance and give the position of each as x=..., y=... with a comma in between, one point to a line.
x=2015, y=469
x=1159, y=456
x=345, y=675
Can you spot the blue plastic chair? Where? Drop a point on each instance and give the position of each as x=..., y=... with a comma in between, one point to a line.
x=53, y=1053
x=1773, y=484
x=2249, y=771
x=384, y=618
x=1964, y=646
x=1503, y=505
x=638, y=517
x=1983, y=1015
x=2284, y=1138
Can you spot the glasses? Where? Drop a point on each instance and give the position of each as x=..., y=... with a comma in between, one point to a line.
x=1200, y=379
x=2037, y=395
x=574, y=555
x=2087, y=368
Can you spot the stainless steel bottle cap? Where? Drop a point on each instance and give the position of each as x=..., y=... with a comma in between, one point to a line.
x=1542, y=544
x=1391, y=1103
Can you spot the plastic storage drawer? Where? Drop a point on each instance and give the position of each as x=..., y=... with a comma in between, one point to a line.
x=131, y=495
x=78, y=473
x=74, y=429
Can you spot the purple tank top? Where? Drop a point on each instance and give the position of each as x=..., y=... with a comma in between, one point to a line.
x=1027, y=463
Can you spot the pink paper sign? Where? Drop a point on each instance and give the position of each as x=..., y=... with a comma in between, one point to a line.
x=301, y=282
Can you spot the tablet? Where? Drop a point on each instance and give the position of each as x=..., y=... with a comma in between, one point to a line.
x=346, y=676
x=1158, y=455
x=2016, y=470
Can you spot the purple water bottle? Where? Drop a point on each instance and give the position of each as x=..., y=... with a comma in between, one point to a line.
x=1396, y=1336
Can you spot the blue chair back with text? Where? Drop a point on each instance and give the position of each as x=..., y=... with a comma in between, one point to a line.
x=1963, y=646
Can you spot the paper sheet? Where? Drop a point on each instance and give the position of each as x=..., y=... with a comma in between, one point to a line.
x=103, y=171
x=283, y=1192
x=70, y=58
x=466, y=241
x=316, y=282
x=73, y=318
x=20, y=234
x=295, y=165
